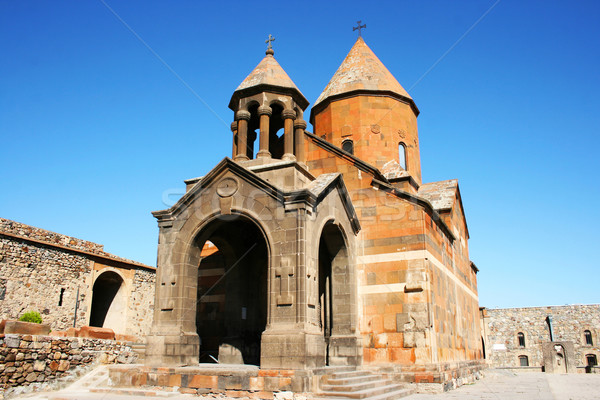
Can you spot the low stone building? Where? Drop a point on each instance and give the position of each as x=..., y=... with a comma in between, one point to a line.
x=551, y=339
x=72, y=282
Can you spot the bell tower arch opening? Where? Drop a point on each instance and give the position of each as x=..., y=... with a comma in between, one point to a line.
x=253, y=125
x=231, y=311
x=276, y=139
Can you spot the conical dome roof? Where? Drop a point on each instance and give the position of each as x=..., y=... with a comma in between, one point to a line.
x=268, y=74
x=362, y=71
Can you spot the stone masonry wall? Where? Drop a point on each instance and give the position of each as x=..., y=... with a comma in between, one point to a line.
x=501, y=327
x=32, y=277
x=141, y=303
x=27, y=360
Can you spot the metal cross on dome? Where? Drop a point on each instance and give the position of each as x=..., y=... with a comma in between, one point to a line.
x=359, y=27
x=268, y=41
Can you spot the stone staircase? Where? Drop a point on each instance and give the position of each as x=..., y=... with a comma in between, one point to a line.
x=140, y=350
x=358, y=384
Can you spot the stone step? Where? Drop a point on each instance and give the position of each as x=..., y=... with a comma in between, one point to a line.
x=372, y=382
x=352, y=379
x=331, y=369
x=140, y=350
x=391, y=395
x=96, y=377
x=349, y=374
x=135, y=392
x=364, y=393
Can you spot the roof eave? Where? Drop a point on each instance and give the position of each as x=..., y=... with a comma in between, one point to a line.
x=264, y=87
x=321, y=105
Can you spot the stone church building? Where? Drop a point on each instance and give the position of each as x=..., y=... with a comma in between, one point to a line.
x=304, y=250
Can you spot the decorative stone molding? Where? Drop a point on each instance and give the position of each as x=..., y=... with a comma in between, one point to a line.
x=288, y=114
x=227, y=187
x=242, y=114
x=300, y=124
x=265, y=110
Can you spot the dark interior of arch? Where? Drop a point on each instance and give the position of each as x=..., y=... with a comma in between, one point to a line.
x=332, y=255
x=105, y=289
x=231, y=311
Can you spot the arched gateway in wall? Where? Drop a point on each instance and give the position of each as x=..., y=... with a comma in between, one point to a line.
x=244, y=260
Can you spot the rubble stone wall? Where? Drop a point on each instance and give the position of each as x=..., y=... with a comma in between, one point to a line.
x=27, y=360
x=43, y=279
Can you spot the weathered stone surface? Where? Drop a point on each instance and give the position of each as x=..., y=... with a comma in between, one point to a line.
x=25, y=328
x=93, y=332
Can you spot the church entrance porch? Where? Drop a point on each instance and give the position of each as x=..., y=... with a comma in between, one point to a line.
x=249, y=273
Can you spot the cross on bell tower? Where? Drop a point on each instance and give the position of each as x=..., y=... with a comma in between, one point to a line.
x=269, y=45
x=359, y=27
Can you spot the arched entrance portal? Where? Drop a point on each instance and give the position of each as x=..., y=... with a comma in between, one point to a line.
x=109, y=302
x=231, y=311
x=334, y=291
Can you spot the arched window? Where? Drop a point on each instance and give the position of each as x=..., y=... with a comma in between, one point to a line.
x=402, y=155
x=523, y=361
x=588, y=338
x=521, y=338
x=348, y=146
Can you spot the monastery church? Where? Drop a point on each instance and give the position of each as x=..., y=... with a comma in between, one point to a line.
x=304, y=250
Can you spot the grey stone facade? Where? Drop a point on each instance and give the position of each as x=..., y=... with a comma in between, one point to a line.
x=567, y=348
x=292, y=216
x=44, y=271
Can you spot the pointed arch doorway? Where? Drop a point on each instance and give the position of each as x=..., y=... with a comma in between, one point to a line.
x=231, y=308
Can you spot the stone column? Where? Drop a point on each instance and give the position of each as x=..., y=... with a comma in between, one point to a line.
x=265, y=113
x=288, y=134
x=242, y=118
x=234, y=127
x=300, y=126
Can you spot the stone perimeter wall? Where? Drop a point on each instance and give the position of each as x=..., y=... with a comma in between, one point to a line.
x=27, y=360
x=501, y=327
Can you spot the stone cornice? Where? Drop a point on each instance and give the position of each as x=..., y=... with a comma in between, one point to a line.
x=317, y=108
x=381, y=182
x=250, y=91
x=416, y=200
x=358, y=163
x=288, y=198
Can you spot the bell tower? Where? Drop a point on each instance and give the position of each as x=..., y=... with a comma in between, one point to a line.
x=269, y=102
x=366, y=112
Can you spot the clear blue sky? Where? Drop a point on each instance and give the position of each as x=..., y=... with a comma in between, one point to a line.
x=96, y=131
